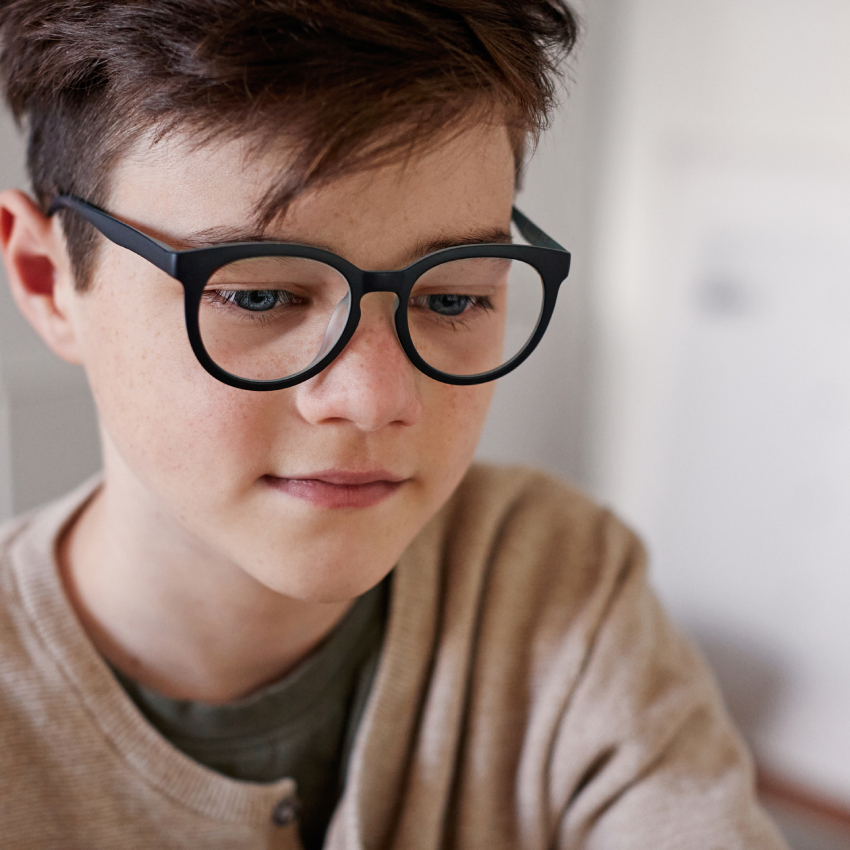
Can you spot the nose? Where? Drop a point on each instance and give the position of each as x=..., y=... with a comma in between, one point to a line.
x=371, y=383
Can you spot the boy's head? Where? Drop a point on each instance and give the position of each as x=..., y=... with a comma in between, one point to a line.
x=377, y=129
x=340, y=85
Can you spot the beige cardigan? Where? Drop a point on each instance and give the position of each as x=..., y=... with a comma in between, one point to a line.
x=531, y=694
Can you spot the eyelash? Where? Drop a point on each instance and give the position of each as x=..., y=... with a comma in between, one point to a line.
x=227, y=296
x=476, y=303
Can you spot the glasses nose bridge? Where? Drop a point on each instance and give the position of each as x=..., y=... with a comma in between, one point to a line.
x=385, y=281
x=392, y=282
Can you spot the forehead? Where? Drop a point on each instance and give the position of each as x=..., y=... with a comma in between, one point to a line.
x=188, y=195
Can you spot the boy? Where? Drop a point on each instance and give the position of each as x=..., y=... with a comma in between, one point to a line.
x=289, y=613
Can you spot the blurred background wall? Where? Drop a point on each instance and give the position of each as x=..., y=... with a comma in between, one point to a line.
x=718, y=419
x=696, y=376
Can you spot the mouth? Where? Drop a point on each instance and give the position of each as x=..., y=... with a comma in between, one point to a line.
x=335, y=488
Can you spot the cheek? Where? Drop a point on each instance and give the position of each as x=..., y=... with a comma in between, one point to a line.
x=455, y=419
x=166, y=416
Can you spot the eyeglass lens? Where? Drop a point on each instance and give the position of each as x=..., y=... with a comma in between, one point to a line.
x=269, y=318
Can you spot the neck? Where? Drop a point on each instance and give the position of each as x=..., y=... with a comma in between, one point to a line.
x=173, y=615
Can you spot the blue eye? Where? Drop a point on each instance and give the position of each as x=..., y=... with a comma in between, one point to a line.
x=449, y=305
x=255, y=300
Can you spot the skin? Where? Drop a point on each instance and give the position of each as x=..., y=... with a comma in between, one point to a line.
x=188, y=571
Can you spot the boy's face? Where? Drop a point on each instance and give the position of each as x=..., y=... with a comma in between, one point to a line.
x=259, y=478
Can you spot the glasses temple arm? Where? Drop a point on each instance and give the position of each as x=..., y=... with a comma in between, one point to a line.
x=122, y=234
x=532, y=233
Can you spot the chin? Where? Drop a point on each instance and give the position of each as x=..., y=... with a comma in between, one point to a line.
x=339, y=582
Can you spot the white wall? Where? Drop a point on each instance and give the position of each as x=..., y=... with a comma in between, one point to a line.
x=721, y=414
x=539, y=412
x=5, y=459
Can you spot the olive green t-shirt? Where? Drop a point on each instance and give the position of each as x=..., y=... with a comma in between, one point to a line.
x=301, y=727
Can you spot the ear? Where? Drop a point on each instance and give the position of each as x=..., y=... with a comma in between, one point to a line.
x=39, y=272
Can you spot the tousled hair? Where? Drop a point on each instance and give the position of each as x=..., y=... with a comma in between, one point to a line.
x=348, y=84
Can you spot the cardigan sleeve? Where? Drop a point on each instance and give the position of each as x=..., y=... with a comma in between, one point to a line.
x=645, y=755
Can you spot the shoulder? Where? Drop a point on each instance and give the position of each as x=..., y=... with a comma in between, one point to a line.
x=498, y=487
x=539, y=507
x=533, y=567
x=557, y=587
x=589, y=686
x=34, y=615
x=534, y=530
x=11, y=605
x=22, y=658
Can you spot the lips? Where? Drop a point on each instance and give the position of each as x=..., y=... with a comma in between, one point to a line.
x=339, y=488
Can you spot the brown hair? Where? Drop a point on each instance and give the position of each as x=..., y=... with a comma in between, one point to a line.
x=348, y=82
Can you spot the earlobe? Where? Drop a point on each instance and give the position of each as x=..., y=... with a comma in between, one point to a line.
x=39, y=272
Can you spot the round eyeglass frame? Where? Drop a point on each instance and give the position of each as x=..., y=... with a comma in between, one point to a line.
x=193, y=268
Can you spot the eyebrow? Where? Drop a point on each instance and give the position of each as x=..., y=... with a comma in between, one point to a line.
x=212, y=236
x=488, y=236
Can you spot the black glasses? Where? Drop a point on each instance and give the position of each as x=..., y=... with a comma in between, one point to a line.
x=266, y=315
